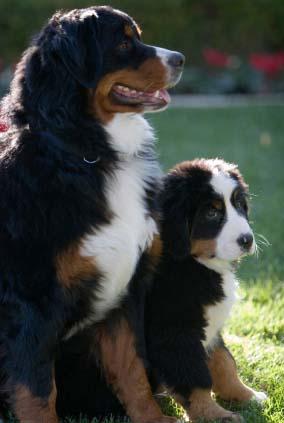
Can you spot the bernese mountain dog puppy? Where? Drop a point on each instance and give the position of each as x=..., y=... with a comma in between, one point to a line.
x=204, y=232
x=78, y=236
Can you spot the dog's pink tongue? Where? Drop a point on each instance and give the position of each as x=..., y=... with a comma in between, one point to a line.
x=134, y=97
x=165, y=95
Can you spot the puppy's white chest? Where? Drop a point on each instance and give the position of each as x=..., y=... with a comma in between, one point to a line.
x=116, y=247
x=217, y=314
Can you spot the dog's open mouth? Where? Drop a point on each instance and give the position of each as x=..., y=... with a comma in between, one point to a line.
x=128, y=96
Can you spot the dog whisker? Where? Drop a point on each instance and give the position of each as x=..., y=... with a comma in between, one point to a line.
x=263, y=240
x=251, y=194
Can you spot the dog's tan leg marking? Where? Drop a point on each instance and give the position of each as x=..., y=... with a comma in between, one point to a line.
x=126, y=374
x=31, y=409
x=202, y=406
x=226, y=382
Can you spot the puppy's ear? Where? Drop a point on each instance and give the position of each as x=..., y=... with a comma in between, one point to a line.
x=76, y=44
x=175, y=224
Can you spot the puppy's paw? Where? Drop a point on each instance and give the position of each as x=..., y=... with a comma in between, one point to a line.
x=259, y=397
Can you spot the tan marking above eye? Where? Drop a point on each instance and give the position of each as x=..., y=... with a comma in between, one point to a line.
x=132, y=31
x=129, y=32
x=217, y=204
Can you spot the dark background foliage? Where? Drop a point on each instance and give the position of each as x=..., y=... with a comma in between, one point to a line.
x=234, y=26
x=219, y=38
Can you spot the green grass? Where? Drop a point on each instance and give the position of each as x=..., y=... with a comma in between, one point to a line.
x=253, y=137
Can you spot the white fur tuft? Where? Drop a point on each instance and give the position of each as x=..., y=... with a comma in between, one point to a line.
x=236, y=224
x=217, y=314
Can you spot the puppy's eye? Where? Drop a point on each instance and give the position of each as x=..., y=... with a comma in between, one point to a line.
x=125, y=45
x=240, y=202
x=212, y=213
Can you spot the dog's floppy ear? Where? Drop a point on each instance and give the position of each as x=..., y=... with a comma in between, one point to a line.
x=76, y=44
x=175, y=224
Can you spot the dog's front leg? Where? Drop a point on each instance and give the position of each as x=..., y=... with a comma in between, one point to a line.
x=29, y=340
x=35, y=407
x=182, y=367
x=226, y=381
x=125, y=372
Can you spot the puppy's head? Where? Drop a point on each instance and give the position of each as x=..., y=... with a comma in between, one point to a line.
x=205, y=212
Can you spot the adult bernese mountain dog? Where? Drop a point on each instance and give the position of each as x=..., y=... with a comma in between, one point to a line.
x=77, y=216
x=204, y=232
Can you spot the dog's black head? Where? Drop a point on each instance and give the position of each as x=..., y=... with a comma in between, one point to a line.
x=92, y=61
x=205, y=212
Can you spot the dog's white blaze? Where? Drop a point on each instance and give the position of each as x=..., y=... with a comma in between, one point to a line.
x=227, y=247
x=163, y=54
x=116, y=247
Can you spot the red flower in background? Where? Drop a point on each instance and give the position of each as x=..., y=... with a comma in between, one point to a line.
x=216, y=58
x=270, y=64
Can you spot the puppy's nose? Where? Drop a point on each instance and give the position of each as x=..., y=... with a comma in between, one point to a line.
x=176, y=60
x=245, y=241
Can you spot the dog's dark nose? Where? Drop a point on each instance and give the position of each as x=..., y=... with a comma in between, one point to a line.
x=245, y=241
x=176, y=60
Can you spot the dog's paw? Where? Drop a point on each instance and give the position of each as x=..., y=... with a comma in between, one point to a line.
x=259, y=397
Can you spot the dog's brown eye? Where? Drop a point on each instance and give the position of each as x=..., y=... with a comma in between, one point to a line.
x=125, y=45
x=240, y=201
x=239, y=204
x=212, y=213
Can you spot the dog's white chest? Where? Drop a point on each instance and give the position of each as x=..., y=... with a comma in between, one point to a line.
x=217, y=314
x=117, y=246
